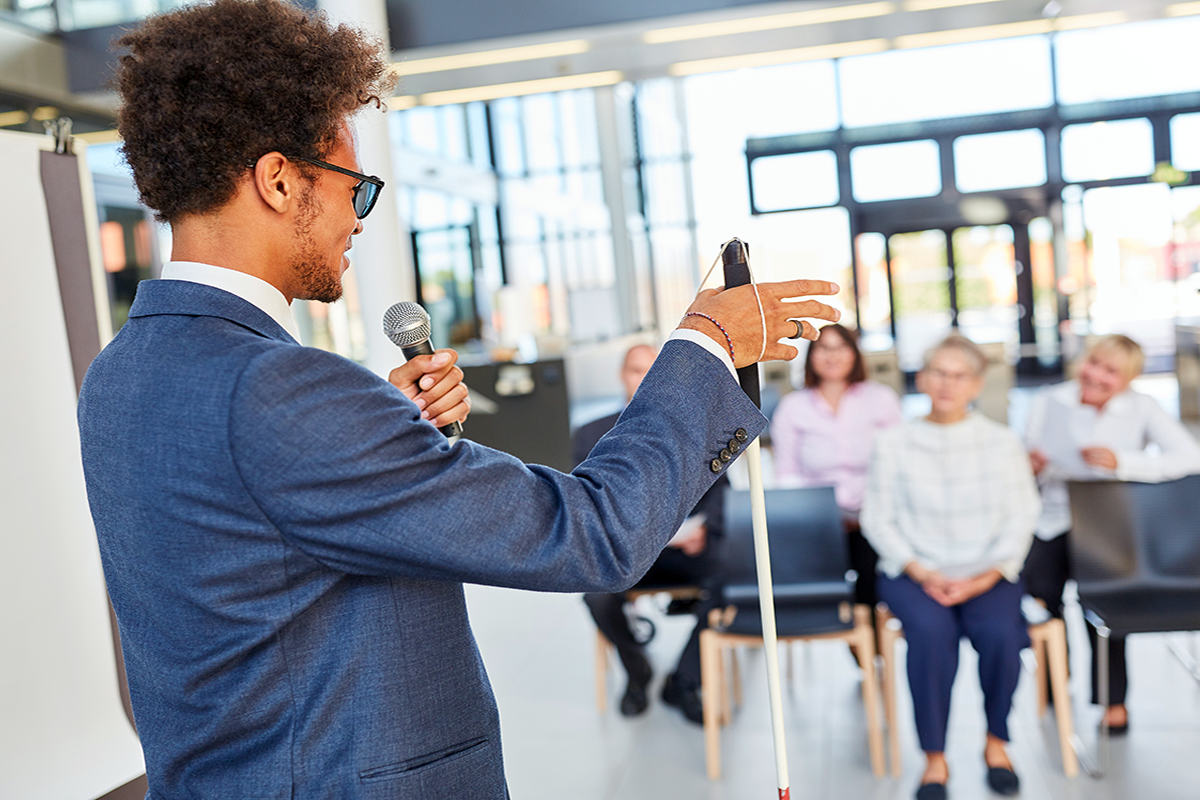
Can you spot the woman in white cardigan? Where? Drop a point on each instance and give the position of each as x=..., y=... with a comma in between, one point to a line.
x=950, y=507
x=1097, y=427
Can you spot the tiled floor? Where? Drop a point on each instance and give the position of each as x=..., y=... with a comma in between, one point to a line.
x=538, y=649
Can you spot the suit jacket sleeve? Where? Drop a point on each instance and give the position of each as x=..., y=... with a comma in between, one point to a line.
x=341, y=463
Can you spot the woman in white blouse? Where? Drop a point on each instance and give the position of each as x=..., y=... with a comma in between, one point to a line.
x=950, y=507
x=1097, y=427
x=822, y=435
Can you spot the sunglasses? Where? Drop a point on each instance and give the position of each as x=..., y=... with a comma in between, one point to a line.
x=366, y=191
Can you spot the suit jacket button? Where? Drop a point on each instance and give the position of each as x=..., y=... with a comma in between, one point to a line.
x=734, y=445
x=715, y=465
x=726, y=455
x=741, y=434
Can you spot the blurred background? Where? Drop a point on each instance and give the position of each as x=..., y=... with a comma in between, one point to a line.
x=563, y=175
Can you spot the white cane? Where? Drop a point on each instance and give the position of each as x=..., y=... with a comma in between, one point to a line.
x=737, y=273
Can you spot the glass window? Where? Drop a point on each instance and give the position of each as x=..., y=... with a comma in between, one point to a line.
x=506, y=128
x=953, y=81
x=658, y=124
x=819, y=239
x=454, y=133
x=893, y=171
x=1185, y=141
x=991, y=161
x=541, y=132
x=421, y=128
x=478, y=135
x=1122, y=61
x=874, y=298
x=796, y=180
x=1099, y=151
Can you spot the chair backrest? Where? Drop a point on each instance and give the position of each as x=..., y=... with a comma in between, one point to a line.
x=1136, y=534
x=809, y=559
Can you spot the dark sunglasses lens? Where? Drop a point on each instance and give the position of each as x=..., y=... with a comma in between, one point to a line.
x=364, y=198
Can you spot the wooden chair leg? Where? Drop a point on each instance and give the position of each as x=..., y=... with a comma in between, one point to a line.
x=736, y=675
x=887, y=644
x=865, y=642
x=602, y=646
x=1056, y=645
x=1037, y=640
x=711, y=692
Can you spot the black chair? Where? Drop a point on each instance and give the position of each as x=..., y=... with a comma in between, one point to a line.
x=813, y=600
x=1135, y=553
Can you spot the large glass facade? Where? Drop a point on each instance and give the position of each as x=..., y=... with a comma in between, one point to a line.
x=1031, y=190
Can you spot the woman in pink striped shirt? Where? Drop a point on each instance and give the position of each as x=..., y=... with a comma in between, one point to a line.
x=822, y=435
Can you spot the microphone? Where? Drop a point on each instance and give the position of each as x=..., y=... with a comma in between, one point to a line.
x=407, y=325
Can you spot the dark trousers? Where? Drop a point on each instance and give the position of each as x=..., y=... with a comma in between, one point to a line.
x=673, y=568
x=1047, y=568
x=991, y=622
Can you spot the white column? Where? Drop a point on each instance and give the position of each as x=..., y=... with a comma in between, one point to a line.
x=381, y=261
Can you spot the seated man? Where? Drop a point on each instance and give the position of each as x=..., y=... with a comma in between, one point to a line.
x=950, y=507
x=689, y=559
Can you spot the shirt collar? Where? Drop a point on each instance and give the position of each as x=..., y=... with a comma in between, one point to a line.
x=253, y=290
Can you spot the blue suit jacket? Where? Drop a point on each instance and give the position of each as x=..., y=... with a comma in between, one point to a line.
x=285, y=542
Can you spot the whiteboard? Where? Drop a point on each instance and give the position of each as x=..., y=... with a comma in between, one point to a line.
x=63, y=731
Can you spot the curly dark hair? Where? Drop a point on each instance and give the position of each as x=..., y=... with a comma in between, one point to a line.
x=210, y=88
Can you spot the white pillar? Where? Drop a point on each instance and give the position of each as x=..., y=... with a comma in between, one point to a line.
x=381, y=261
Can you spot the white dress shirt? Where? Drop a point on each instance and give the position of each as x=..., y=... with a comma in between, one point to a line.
x=253, y=290
x=959, y=498
x=1149, y=444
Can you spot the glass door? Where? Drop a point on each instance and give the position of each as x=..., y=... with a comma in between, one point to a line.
x=446, y=267
x=985, y=283
x=920, y=274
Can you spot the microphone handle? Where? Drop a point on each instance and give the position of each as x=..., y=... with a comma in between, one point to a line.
x=737, y=273
x=424, y=348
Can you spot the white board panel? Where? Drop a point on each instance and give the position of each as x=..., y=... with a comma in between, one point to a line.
x=63, y=732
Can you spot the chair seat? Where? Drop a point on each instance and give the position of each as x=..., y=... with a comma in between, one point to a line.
x=793, y=619
x=1145, y=610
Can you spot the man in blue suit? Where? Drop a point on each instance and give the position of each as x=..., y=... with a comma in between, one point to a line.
x=285, y=535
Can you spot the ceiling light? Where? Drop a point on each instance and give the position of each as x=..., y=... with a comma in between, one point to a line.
x=771, y=22
x=1182, y=10
x=778, y=57
x=565, y=83
x=45, y=113
x=1008, y=30
x=929, y=5
x=401, y=102
x=487, y=57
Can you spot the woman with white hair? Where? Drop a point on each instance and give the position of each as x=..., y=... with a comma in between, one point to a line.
x=1096, y=426
x=950, y=507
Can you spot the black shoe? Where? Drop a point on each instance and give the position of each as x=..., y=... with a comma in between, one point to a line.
x=685, y=699
x=635, y=700
x=1002, y=780
x=931, y=791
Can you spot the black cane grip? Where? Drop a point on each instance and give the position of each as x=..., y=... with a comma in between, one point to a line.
x=737, y=273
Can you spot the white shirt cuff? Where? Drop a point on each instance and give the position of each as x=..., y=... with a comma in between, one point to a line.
x=696, y=337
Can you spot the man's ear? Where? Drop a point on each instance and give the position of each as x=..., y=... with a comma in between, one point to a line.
x=276, y=180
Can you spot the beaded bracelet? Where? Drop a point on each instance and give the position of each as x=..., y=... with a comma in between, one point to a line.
x=719, y=325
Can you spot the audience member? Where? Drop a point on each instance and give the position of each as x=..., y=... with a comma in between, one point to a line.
x=822, y=435
x=1096, y=426
x=688, y=560
x=950, y=506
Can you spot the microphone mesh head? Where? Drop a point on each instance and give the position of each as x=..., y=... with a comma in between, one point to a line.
x=406, y=324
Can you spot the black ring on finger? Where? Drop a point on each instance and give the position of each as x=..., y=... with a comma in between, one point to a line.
x=799, y=329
